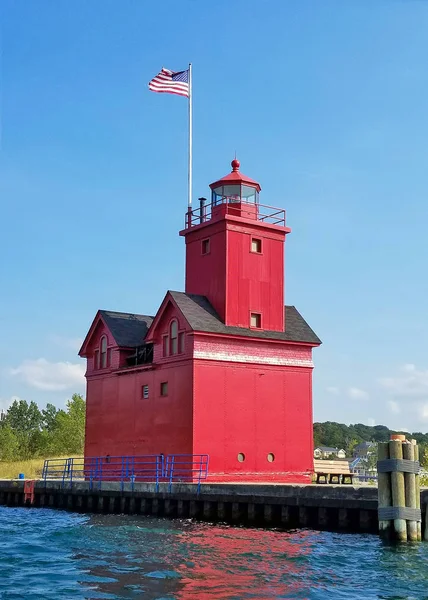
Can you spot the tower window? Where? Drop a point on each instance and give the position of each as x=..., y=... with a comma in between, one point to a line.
x=205, y=246
x=256, y=245
x=96, y=359
x=164, y=388
x=173, y=331
x=103, y=352
x=256, y=320
x=145, y=392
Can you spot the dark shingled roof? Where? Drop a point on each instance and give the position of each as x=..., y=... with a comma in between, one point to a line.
x=202, y=317
x=128, y=330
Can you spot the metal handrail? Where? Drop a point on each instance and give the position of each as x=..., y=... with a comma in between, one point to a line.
x=260, y=212
x=153, y=468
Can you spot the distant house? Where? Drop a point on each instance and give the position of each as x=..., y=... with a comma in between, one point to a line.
x=364, y=449
x=327, y=452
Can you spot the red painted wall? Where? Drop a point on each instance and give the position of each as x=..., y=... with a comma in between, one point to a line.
x=120, y=422
x=206, y=273
x=254, y=409
x=235, y=280
x=255, y=282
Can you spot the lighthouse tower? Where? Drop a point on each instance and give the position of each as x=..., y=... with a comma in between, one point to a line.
x=223, y=368
x=235, y=254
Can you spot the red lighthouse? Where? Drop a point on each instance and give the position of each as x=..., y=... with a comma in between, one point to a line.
x=223, y=368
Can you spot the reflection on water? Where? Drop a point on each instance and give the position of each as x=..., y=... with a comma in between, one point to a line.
x=50, y=554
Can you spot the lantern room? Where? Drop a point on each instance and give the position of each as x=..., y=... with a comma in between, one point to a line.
x=235, y=194
x=235, y=188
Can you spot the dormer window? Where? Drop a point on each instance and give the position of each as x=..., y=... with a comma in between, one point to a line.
x=173, y=332
x=173, y=340
x=103, y=352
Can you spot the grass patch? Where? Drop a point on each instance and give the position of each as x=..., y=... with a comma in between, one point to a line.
x=32, y=468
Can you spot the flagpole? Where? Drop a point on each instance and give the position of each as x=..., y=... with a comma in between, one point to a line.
x=190, y=139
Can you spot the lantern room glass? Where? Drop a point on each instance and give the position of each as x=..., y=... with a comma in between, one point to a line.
x=234, y=193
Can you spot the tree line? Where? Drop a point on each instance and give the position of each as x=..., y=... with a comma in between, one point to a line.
x=29, y=432
x=339, y=435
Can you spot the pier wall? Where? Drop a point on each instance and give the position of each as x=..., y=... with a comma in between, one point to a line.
x=326, y=507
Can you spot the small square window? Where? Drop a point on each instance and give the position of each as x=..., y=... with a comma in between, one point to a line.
x=164, y=388
x=256, y=245
x=205, y=246
x=256, y=320
x=145, y=391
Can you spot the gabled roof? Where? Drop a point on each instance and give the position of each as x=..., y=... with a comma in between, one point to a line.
x=127, y=329
x=130, y=330
x=201, y=316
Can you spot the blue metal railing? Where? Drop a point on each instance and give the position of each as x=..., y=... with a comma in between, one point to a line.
x=154, y=468
x=186, y=467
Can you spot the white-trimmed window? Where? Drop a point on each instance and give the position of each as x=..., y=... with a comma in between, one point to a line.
x=173, y=334
x=145, y=392
x=103, y=352
x=256, y=245
x=165, y=345
x=181, y=342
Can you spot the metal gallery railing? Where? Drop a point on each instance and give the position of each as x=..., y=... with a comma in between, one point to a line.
x=149, y=468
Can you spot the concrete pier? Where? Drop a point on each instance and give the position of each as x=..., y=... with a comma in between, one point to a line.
x=327, y=507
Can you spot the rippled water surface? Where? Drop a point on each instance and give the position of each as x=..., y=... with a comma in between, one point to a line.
x=52, y=554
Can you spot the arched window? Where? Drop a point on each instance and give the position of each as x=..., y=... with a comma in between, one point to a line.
x=103, y=352
x=173, y=332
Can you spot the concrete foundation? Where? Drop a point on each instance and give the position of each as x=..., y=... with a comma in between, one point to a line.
x=327, y=507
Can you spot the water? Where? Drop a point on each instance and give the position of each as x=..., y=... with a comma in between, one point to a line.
x=48, y=554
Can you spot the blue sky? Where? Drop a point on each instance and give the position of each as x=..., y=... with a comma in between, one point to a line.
x=325, y=104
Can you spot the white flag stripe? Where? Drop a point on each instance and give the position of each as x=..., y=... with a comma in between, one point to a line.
x=159, y=83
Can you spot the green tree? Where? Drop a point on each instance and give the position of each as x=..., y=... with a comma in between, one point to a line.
x=69, y=429
x=25, y=419
x=49, y=417
x=9, y=444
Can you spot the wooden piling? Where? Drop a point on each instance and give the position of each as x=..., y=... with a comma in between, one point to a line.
x=410, y=491
x=384, y=490
x=417, y=491
x=397, y=489
x=426, y=523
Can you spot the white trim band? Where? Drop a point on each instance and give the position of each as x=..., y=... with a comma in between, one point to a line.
x=245, y=358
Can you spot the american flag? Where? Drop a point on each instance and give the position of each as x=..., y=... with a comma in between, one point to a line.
x=170, y=82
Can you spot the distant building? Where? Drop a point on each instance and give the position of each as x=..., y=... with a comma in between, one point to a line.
x=2, y=415
x=327, y=452
x=364, y=449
